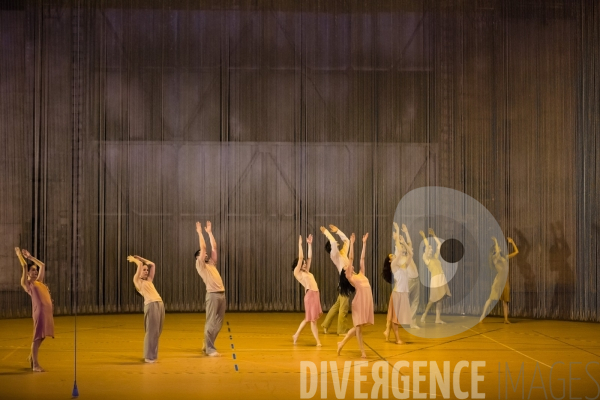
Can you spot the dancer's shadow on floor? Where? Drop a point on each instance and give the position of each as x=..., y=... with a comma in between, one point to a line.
x=20, y=371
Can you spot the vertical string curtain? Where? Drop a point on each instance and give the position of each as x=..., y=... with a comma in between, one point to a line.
x=123, y=123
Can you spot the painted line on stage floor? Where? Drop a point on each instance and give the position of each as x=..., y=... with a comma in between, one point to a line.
x=568, y=344
x=235, y=366
x=510, y=348
x=11, y=353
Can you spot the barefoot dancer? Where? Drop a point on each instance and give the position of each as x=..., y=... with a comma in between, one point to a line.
x=362, y=305
x=414, y=285
x=438, y=288
x=215, y=291
x=32, y=282
x=339, y=258
x=154, y=309
x=500, y=263
x=312, y=300
x=395, y=272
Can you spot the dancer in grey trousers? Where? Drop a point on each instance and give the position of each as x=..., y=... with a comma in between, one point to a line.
x=154, y=309
x=215, y=291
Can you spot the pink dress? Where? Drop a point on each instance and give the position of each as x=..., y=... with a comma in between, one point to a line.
x=362, y=305
x=41, y=304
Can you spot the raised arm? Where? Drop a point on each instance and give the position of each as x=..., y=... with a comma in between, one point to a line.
x=309, y=240
x=24, y=268
x=438, y=243
x=151, y=267
x=408, y=241
x=213, y=242
x=362, y=253
x=300, y=257
x=350, y=268
x=37, y=262
x=345, y=242
x=201, y=241
x=514, y=253
x=137, y=280
x=427, y=246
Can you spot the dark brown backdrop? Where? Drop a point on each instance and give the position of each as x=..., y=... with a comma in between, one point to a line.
x=122, y=123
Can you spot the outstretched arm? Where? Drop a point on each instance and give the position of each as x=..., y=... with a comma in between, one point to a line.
x=201, y=241
x=362, y=253
x=137, y=280
x=350, y=268
x=438, y=243
x=151, y=267
x=514, y=253
x=24, y=267
x=345, y=242
x=408, y=241
x=300, y=257
x=427, y=246
x=309, y=240
x=37, y=262
x=213, y=242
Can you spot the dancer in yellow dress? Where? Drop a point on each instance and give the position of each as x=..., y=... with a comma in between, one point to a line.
x=500, y=264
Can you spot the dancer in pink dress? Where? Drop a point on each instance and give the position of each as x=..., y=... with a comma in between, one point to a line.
x=395, y=272
x=312, y=300
x=32, y=282
x=362, y=305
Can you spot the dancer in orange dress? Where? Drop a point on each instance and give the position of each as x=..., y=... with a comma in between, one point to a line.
x=32, y=282
x=362, y=305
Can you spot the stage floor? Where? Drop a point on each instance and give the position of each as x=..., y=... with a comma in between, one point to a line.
x=260, y=362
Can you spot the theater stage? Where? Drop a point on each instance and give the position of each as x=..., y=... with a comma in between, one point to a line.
x=259, y=360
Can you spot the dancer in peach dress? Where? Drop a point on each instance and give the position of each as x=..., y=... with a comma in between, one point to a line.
x=362, y=305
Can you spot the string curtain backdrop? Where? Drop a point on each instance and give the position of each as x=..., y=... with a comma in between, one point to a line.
x=125, y=122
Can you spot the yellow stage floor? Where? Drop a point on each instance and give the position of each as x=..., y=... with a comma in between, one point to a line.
x=554, y=358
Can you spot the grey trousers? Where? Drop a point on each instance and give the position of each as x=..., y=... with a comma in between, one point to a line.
x=215, y=311
x=154, y=316
x=414, y=293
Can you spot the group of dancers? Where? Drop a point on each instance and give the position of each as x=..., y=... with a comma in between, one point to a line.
x=399, y=269
x=32, y=282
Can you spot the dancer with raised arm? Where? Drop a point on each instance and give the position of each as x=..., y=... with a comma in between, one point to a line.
x=414, y=285
x=500, y=263
x=312, y=300
x=362, y=305
x=438, y=287
x=32, y=281
x=340, y=259
x=215, y=290
x=395, y=272
x=154, y=309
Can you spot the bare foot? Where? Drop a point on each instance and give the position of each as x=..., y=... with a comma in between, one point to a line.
x=339, y=350
x=414, y=326
x=295, y=338
x=387, y=335
x=325, y=331
x=423, y=320
x=506, y=321
x=149, y=361
x=399, y=341
x=439, y=321
x=38, y=369
x=363, y=355
x=215, y=354
x=319, y=344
